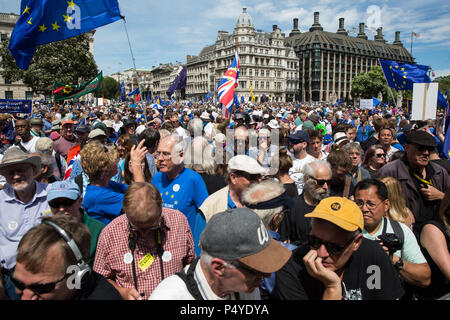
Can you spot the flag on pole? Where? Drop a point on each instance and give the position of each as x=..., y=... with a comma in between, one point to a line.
x=178, y=83
x=132, y=93
x=227, y=87
x=45, y=21
x=415, y=35
x=122, y=91
x=63, y=91
x=402, y=76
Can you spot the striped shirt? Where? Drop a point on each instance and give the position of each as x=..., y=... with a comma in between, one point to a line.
x=112, y=258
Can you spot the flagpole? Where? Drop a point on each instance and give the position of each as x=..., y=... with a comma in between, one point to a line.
x=134, y=64
x=411, y=42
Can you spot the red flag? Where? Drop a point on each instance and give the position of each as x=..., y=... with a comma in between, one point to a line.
x=138, y=97
x=415, y=35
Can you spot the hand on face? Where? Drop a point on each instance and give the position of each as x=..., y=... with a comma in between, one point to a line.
x=315, y=268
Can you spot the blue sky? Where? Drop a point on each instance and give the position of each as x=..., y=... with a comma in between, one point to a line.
x=167, y=31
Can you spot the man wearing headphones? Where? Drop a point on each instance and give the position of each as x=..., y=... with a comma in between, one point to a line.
x=148, y=243
x=51, y=264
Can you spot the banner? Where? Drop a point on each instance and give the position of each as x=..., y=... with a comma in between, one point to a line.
x=366, y=104
x=66, y=91
x=15, y=106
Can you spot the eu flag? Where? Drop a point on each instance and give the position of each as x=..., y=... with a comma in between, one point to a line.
x=45, y=21
x=402, y=76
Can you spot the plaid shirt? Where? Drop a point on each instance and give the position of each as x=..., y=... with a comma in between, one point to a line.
x=113, y=253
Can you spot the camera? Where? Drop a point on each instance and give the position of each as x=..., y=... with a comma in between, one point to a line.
x=391, y=241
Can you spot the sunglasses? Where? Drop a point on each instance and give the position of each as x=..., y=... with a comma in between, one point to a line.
x=424, y=148
x=248, y=176
x=380, y=155
x=38, y=288
x=64, y=202
x=321, y=182
x=332, y=248
x=253, y=272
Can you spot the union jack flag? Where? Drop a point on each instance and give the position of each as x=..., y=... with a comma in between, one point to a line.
x=227, y=87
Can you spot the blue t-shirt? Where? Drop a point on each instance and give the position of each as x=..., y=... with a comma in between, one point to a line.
x=104, y=204
x=185, y=193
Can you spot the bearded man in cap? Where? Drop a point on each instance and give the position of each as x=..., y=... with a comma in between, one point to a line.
x=23, y=202
x=237, y=253
x=423, y=182
x=337, y=262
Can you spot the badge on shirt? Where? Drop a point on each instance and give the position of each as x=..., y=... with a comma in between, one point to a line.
x=167, y=256
x=146, y=262
x=128, y=258
x=176, y=188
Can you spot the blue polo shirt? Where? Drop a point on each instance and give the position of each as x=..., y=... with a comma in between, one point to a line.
x=185, y=193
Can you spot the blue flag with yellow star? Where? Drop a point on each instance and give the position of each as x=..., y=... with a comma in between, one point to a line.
x=402, y=76
x=45, y=21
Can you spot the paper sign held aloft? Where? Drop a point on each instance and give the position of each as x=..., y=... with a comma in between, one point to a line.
x=424, y=102
x=366, y=104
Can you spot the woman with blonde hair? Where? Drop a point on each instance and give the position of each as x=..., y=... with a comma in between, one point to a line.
x=398, y=210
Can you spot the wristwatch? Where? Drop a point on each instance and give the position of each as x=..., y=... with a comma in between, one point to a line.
x=399, y=264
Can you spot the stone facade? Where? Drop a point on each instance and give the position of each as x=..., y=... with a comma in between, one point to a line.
x=329, y=61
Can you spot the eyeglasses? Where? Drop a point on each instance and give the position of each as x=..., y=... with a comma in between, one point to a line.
x=332, y=248
x=253, y=272
x=64, y=202
x=38, y=288
x=248, y=176
x=165, y=155
x=321, y=182
x=370, y=205
x=380, y=155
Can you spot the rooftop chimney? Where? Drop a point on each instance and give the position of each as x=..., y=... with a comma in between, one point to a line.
x=397, y=39
x=361, y=33
x=274, y=27
x=341, y=29
x=379, y=36
x=295, y=30
x=316, y=26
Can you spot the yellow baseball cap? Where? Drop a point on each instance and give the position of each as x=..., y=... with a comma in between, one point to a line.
x=340, y=211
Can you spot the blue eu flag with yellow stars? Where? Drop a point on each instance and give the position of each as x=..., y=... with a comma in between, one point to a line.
x=402, y=76
x=45, y=21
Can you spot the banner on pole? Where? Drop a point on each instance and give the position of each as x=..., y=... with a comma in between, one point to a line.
x=424, y=104
x=366, y=104
x=15, y=106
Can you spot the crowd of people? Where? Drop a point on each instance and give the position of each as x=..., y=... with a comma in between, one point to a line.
x=282, y=201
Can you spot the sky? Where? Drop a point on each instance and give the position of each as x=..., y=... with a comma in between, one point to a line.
x=167, y=31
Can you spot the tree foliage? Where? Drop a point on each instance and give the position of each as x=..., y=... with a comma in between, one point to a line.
x=444, y=83
x=111, y=88
x=68, y=61
x=369, y=84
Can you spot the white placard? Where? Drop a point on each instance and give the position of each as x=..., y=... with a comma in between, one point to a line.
x=366, y=103
x=424, y=102
x=100, y=102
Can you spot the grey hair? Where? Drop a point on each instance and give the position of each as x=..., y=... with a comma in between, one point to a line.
x=310, y=168
x=199, y=156
x=353, y=145
x=261, y=192
x=195, y=127
x=206, y=259
x=164, y=133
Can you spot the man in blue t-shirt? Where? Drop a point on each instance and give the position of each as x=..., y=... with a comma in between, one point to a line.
x=181, y=188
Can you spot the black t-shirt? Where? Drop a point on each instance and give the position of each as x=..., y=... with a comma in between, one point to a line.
x=337, y=190
x=367, y=265
x=294, y=225
x=97, y=288
x=291, y=190
x=213, y=182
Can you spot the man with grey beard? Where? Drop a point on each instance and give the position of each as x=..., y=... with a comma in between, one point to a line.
x=295, y=227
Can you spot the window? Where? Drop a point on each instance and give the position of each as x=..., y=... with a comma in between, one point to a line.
x=9, y=95
x=28, y=95
x=4, y=36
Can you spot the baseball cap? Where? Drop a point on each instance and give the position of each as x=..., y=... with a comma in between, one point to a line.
x=299, y=135
x=340, y=211
x=67, y=121
x=245, y=163
x=63, y=189
x=421, y=138
x=83, y=128
x=308, y=125
x=44, y=144
x=239, y=234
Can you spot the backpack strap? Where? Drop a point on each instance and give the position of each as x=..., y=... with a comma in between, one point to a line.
x=190, y=282
x=21, y=146
x=79, y=181
x=58, y=163
x=396, y=227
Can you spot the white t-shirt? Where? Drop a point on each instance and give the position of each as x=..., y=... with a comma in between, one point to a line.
x=296, y=172
x=174, y=288
x=30, y=146
x=410, y=252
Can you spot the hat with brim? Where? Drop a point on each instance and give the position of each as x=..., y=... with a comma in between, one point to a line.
x=270, y=259
x=273, y=124
x=342, y=212
x=15, y=156
x=205, y=116
x=96, y=133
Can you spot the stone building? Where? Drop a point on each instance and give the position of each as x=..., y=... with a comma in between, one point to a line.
x=266, y=63
x=328, y=61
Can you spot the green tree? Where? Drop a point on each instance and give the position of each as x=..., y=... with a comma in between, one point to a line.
x=368, y=84
x=444, y=83
x=111, y=88
x=68, y=61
